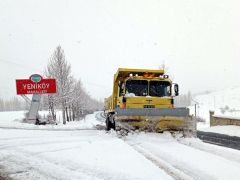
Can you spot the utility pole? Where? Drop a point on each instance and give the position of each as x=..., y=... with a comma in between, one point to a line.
x=195, y=107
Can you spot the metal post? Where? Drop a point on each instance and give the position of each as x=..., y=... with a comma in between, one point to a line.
x=35, y=104
x=195, y=106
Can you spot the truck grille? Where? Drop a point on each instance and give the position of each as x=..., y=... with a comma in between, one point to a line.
x=149, y=106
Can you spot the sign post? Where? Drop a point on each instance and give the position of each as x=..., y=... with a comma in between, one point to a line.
x=35, y=85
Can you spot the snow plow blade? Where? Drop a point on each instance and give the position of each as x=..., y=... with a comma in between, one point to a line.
x=158, y=120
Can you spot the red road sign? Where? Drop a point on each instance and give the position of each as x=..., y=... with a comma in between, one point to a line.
x=36, y=85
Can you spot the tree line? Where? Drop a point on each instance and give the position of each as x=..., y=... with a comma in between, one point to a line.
x=13, y=104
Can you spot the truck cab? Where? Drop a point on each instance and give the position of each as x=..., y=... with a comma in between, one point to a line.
x=142, y=92
x=143, y=98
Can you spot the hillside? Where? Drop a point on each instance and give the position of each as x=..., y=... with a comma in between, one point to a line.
x=224, y=102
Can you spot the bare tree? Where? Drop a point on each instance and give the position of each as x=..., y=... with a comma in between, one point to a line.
x=82, y=103
x=79, y=100
x=51, y=106
x=1, y=104
x=71, y=97
x=59, y=69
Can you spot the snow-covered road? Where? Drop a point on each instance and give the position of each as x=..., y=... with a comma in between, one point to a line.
x=85, y=154
x=53, y=153
x=187, y=158
x=80, y=153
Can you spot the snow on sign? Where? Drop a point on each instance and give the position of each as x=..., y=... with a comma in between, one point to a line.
x=35, y=85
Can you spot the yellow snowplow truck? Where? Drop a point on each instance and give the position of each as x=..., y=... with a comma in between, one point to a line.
x=144, y=99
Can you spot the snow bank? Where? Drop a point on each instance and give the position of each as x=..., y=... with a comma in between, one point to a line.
x=228, y=130
x=227, y=153
x=13, y=119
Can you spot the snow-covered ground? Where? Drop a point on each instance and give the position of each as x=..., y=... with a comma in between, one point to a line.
x=73, y=154
x=188, y=158
x=80, y=151
x=14, y=119
x=228, y=130
x=83, y=154
x=225, y=103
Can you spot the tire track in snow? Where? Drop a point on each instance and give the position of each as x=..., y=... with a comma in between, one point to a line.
x=100, y=116
x=48, y=129
x=35, y=168
x=226, y=153
x=180, y=169
x=3, y=147
x=168, y=168
x=34, y=163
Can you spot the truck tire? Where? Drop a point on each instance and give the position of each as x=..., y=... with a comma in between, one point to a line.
x=113, y=125
x=108, y=124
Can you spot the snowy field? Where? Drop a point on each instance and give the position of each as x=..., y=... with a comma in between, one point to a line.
x=225, y=103
x=80, y=151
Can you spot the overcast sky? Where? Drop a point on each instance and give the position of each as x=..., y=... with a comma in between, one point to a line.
x=198, y=40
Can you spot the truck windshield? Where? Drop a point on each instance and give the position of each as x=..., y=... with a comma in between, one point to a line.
x=159, y=88
x=137, y=87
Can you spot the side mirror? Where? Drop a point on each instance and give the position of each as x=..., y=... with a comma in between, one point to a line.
x=121, y=88
x=119, y=84
x=176, y=89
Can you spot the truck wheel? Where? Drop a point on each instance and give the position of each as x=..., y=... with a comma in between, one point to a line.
x=108, y=124
x=113, y=125
x=112, y=121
